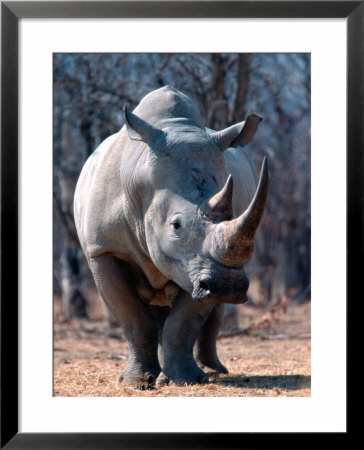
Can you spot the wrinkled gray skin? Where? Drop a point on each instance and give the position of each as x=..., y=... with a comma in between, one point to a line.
x=157, y=222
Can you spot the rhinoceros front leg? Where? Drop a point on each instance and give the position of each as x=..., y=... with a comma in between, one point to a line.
x=113, y=280
x=160, y=314
x=180, y=332
x=205, y=348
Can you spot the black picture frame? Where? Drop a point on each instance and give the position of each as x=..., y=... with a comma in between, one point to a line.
x=11, y=12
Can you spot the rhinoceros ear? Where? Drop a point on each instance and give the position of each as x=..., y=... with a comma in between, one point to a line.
x=250, y=128
x=225, y=137
x=239, y=134
x=140, y=130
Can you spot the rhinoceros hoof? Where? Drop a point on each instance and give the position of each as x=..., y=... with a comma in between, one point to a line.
x=197, y=376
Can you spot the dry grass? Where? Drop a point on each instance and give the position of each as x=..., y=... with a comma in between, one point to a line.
x=272, y=358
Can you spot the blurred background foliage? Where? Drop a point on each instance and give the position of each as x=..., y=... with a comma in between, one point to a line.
x=89, y=93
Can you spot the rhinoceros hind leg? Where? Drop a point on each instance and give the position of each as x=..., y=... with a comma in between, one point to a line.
x=205, y=348
x=180, y=332
x=113, y=280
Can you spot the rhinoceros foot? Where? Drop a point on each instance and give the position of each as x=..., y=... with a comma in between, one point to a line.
x=192, y=375
x=136, y=376
x=216, y=366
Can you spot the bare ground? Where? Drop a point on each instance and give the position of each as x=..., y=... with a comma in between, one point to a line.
x=270, y=355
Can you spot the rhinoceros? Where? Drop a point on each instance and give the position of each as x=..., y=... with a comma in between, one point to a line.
x=166, y=235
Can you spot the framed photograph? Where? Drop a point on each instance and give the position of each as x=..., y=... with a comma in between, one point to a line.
x=40, y=41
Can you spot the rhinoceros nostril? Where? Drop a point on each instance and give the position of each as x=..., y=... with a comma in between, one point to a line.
x=201, y=289
x=203, y=285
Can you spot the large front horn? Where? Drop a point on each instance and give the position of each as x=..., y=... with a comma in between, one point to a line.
x=233, y=241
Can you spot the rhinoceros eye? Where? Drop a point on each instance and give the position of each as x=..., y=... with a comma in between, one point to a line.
x=176, y=225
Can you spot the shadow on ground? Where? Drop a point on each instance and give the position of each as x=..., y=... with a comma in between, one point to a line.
x=282, y=382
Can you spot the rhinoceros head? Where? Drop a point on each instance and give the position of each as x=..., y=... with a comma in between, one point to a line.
x=192, y=235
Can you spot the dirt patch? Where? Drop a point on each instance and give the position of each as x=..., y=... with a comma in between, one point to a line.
x=270, y=355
